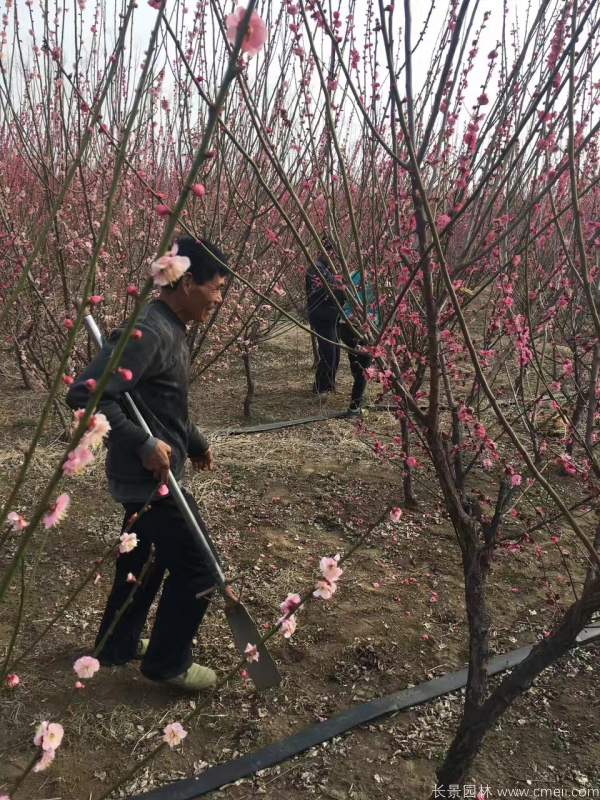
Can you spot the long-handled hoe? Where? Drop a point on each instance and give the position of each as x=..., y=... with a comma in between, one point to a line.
x=263, y=672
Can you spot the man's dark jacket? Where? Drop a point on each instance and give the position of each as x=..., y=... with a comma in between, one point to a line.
x=320, y=303
x=160, y=362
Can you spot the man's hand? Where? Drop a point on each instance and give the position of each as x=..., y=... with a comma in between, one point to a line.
x=203, y=462
x=231, y=597
x=159, y=461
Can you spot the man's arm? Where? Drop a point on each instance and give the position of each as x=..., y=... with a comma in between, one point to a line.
x=199, y=448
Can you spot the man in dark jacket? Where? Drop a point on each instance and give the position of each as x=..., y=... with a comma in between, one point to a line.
x=155, y=369
x=323, y=315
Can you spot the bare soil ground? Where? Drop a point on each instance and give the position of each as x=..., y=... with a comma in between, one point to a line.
x=276, y=503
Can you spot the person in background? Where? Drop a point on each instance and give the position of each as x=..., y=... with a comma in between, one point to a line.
x=358, y=358
x=323, y=316
x=155, y=369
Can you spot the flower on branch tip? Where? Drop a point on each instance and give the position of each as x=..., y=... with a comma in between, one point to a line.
x=290, y=604
x=126, y=374
x=131, y=578
x=133, y=291
x=174, y=734
x=395, y=514
x=127, y=542
x=58, y=511
x=86, y=666
x=68, y=380
x=169, y=268
x=163, y=490
x=256, y=34
x=330, y=569
x=516, y=480
x=156, y=4
x=198, y=190
x=95, y=299
x=251, y=653
x=162, y=210
x=77, y=460
x=12, y=680
x=287, y=626
x=16, y=521
x=48, y=735
x=90, y=385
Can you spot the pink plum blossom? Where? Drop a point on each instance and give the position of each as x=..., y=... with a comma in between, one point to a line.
x=290, y=604
x=174, y=734
x=16, y=521
x=256, y=34
x=58, y=511
x=396, y=514
x=128, y=542
x=287, y=626
x=86, y=666
x=45, y=761
x=163, y=490
x=90, y=385
x=169, y=268
x=329, y=568
x=516, y=480
x=126, y=374
x=163, y=210
x=77, y=460
x=12, y=680
x=48, y=735
x=325, y=589
x=156, y=4
x=98, y=429
x=198, y=190
x=251, y=653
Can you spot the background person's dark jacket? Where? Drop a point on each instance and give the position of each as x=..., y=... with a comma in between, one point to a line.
x=160, y=363
x=318, y=299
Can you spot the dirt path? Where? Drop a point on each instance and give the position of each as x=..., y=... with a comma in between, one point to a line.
x=276, y=503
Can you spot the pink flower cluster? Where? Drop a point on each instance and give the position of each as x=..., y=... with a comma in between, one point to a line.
x=331, y=573
x=288, y=623
x=48, y=736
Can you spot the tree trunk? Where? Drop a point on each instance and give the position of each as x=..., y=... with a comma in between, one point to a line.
x=410, y=501
x=250, y=385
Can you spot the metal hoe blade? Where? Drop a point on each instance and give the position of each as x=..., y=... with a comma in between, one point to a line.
x=264, y=672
